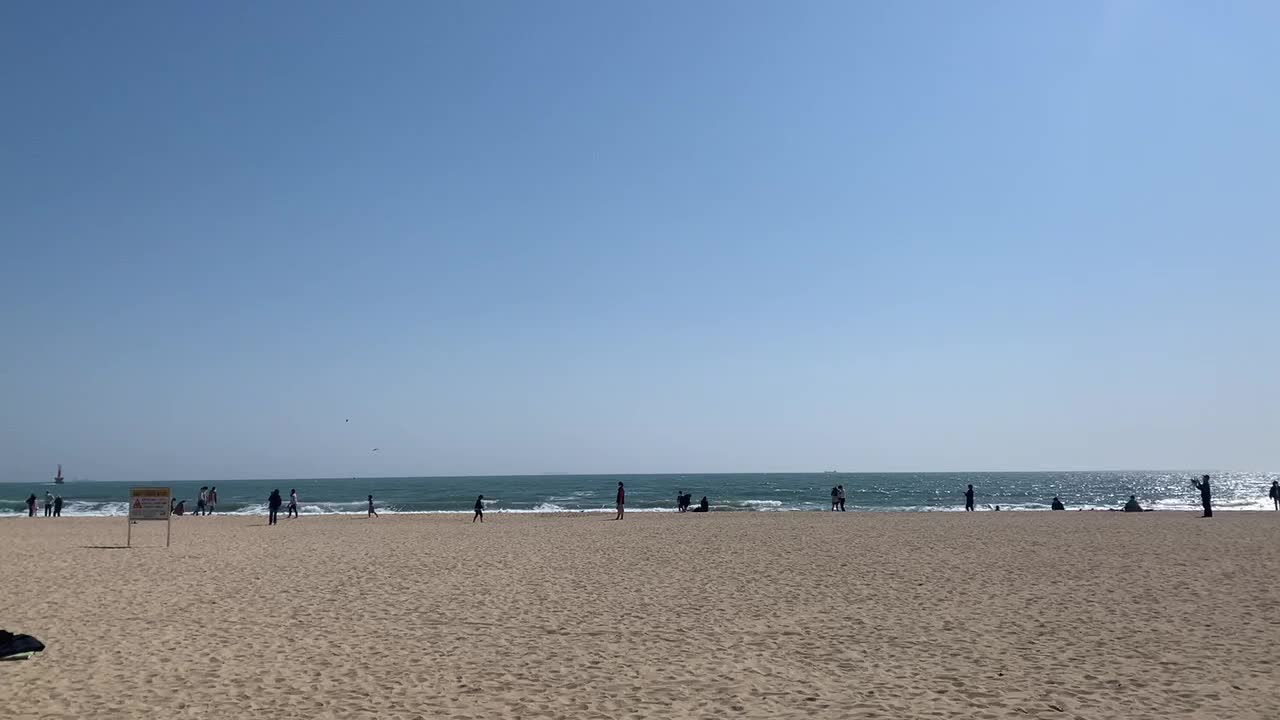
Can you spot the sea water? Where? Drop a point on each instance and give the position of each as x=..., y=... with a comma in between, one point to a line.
x=750, y=492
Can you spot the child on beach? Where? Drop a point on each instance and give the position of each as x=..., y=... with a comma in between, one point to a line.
x=372, y=512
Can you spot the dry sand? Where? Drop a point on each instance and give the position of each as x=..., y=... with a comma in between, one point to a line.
x=1010, y=615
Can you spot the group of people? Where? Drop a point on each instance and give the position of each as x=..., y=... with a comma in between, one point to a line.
x=52, y=505
x=1132, y=504
x=684, y=500
x=837, y=498
x=274, y=502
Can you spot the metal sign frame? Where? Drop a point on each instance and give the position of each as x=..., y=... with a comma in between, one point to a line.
x=156, y=496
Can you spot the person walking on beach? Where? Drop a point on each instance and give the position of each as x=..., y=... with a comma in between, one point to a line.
x=622, y=500
x=1275, y=493
x=31, y=505
x=372, y=512
x=679, y=501
x=968, y=499
x=57, y=506
x=273, y=506
x=211, y=501
x=293, y=503
x=201, y=500
x=479, y=510
x=48, y=504
x=840, y=497
x=1205, y=498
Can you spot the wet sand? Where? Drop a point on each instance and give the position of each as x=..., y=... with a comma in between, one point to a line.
x=757, y=615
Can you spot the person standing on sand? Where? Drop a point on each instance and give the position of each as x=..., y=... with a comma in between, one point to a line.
x=968, y=499
x=48, y=504
x=1205, y=498
x=201, y=499
x=622, y=500
x=479, y=510
x=835, y=499
x=57, y=506
x=293, y=503
x=372, y=512
x=211, y=502
x=273, y=506
x=31, y=505
x=840, y=497
x=1275, y=493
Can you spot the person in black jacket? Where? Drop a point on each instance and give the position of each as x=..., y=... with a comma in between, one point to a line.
x=273, y=505
x=479, y=510
x=1205, y=497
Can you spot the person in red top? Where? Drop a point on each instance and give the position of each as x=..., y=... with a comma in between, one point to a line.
x=622, y=499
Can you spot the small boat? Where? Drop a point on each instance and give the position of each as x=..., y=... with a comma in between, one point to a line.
x=58, y=479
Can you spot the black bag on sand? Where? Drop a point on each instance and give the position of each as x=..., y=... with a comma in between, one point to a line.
x=18, y=646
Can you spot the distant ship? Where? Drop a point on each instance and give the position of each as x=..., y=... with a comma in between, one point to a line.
x=58, y=479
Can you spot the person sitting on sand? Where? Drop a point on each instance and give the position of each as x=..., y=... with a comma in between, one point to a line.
x=1057, y=504
x=181, y=508
x=372, y=512
x=479, y=510
x=1275, y=493
x=703, y=506
x=1132, y=505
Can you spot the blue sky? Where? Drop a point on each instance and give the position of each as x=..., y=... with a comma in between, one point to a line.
x=646, y=237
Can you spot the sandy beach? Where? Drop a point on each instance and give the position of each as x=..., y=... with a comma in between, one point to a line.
x=760, y=615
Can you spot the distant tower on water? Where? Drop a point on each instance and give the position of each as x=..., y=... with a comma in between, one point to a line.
x=57, y=479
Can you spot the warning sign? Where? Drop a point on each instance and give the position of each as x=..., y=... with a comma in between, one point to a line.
x=149, y=503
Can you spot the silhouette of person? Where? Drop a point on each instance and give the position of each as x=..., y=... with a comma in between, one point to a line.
x=703, y=506
x=1275, y=493
x=622, y=500
x=273, y=506
x=1132, y=505
x=835, y=499
x=1057, y=504
x=840, y=496
x=680, y=506
x=968, y=499
x=1206, y=499
x=372, y=512
x=293, y=503
x=57, y=506
x=48, y=504
x=31, y=505
x=479, y=510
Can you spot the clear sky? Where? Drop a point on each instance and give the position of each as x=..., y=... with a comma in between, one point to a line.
x=536, y=237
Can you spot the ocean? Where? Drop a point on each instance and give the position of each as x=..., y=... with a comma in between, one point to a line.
x=750, y=492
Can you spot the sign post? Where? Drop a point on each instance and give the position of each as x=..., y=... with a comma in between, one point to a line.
x=149, y=503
